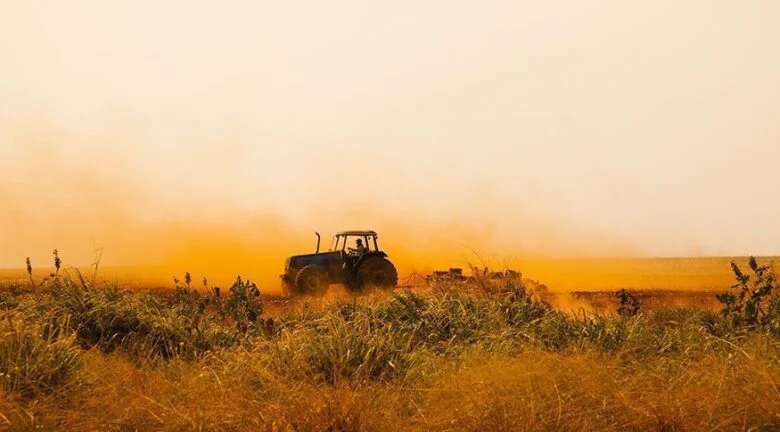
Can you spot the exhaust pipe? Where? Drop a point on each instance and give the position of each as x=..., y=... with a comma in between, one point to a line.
x=318, y=241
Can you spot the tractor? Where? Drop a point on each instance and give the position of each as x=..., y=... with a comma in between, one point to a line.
x=353, y=267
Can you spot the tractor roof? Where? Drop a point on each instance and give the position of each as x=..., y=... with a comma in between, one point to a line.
x=356, y=233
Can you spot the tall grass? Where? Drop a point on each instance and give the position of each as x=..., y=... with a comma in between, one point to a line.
x=481, y=356
x=35, y=360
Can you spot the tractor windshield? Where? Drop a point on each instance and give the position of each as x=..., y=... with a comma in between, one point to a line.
x=350, y=242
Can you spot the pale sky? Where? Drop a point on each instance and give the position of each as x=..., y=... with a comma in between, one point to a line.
x=654, y=124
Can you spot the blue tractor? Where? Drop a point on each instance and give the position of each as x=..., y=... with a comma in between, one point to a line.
x=357, y=268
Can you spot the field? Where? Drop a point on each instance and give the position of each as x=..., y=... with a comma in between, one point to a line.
x=78, y=354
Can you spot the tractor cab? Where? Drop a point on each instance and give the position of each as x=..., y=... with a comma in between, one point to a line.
x=346, y=242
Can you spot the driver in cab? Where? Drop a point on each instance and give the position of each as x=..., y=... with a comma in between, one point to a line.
x=359, y=249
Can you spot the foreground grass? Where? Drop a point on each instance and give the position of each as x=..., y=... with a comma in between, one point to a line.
x=528, y=391
x=78, y=357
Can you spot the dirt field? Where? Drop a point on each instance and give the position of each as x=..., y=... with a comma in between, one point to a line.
x=682, y=274
x=573, y=284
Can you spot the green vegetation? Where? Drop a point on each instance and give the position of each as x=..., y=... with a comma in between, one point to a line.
x=467, y=357
x=756, y=301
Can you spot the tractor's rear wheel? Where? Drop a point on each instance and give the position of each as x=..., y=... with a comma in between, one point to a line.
x=377, y=272
x=312, y=280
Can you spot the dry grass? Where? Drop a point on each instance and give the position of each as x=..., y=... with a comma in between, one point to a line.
x=100, y=358
x=550, y=391
x=532, y=390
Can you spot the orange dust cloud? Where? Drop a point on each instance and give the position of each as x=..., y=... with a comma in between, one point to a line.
x=99, y=200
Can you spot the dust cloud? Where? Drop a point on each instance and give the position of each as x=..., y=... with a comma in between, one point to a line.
x=88, y=201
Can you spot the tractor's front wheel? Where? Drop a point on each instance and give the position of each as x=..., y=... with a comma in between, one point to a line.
x=378, y=272
x=312, y=280
x=288, y=287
